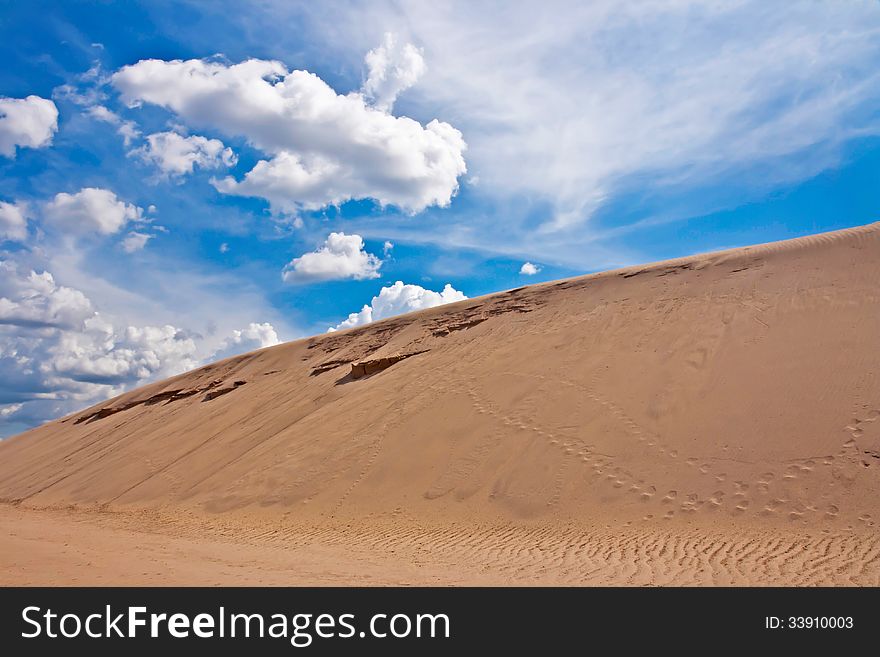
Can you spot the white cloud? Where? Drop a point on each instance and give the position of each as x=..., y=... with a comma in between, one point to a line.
x=128, y=130
x=58, y=354
x=176, y=155
x=341, y=256
x=398, y=299
x=37, y=318
x=90, y=210
x=528, y=269
x=102, y=113
x=323, y=148
x=87, y=91
x=100, y=353
x=13, y=221
x=9, y=409
x=255, y=336
x=391, y=69
x=135, y=241
x=35, y=300
x=387, y=248
x=224, y=248
x=571, y=104
x=26, y=122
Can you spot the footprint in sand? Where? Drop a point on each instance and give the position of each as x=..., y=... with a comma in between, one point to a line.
x=763, y=484
x=691, y=504
x=716, y=500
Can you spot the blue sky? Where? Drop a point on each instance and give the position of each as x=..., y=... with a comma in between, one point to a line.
x=174, y=188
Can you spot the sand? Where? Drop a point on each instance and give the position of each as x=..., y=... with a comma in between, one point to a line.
x=708, y=420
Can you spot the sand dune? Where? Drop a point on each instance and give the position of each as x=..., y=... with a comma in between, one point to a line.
x=711, y=419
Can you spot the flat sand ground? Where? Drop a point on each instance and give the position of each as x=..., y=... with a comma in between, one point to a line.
x=53, y=547
x=708, y=420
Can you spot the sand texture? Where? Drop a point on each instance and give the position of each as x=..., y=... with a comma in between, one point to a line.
x=708, y=420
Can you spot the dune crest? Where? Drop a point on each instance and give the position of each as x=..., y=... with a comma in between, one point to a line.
x=724, y=403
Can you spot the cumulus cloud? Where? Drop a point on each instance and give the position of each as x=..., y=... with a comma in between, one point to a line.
x=392, y=68
x=341, y=256
x=78, y=341
x=35, y=300
x=27, y=123
x=100, y=353
x=13, y=221
x=90, y=210
x=176, y=155
x=528, y=269
x=58, y=353
x=398, y=299
x=324, y=148
x=255, y=336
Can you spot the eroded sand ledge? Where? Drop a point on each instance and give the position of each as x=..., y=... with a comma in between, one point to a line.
x=709, y=420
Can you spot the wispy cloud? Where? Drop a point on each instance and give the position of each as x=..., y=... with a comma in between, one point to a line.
x=571, y=103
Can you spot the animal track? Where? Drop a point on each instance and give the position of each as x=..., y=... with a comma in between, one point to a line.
x=607, y=470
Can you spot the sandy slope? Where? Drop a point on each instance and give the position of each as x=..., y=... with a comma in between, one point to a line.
x=713, y=419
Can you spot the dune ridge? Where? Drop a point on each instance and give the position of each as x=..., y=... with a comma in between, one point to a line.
x=711, y=419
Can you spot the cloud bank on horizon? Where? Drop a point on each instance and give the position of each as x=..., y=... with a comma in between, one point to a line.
x=165, y=205
x=397, y=299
